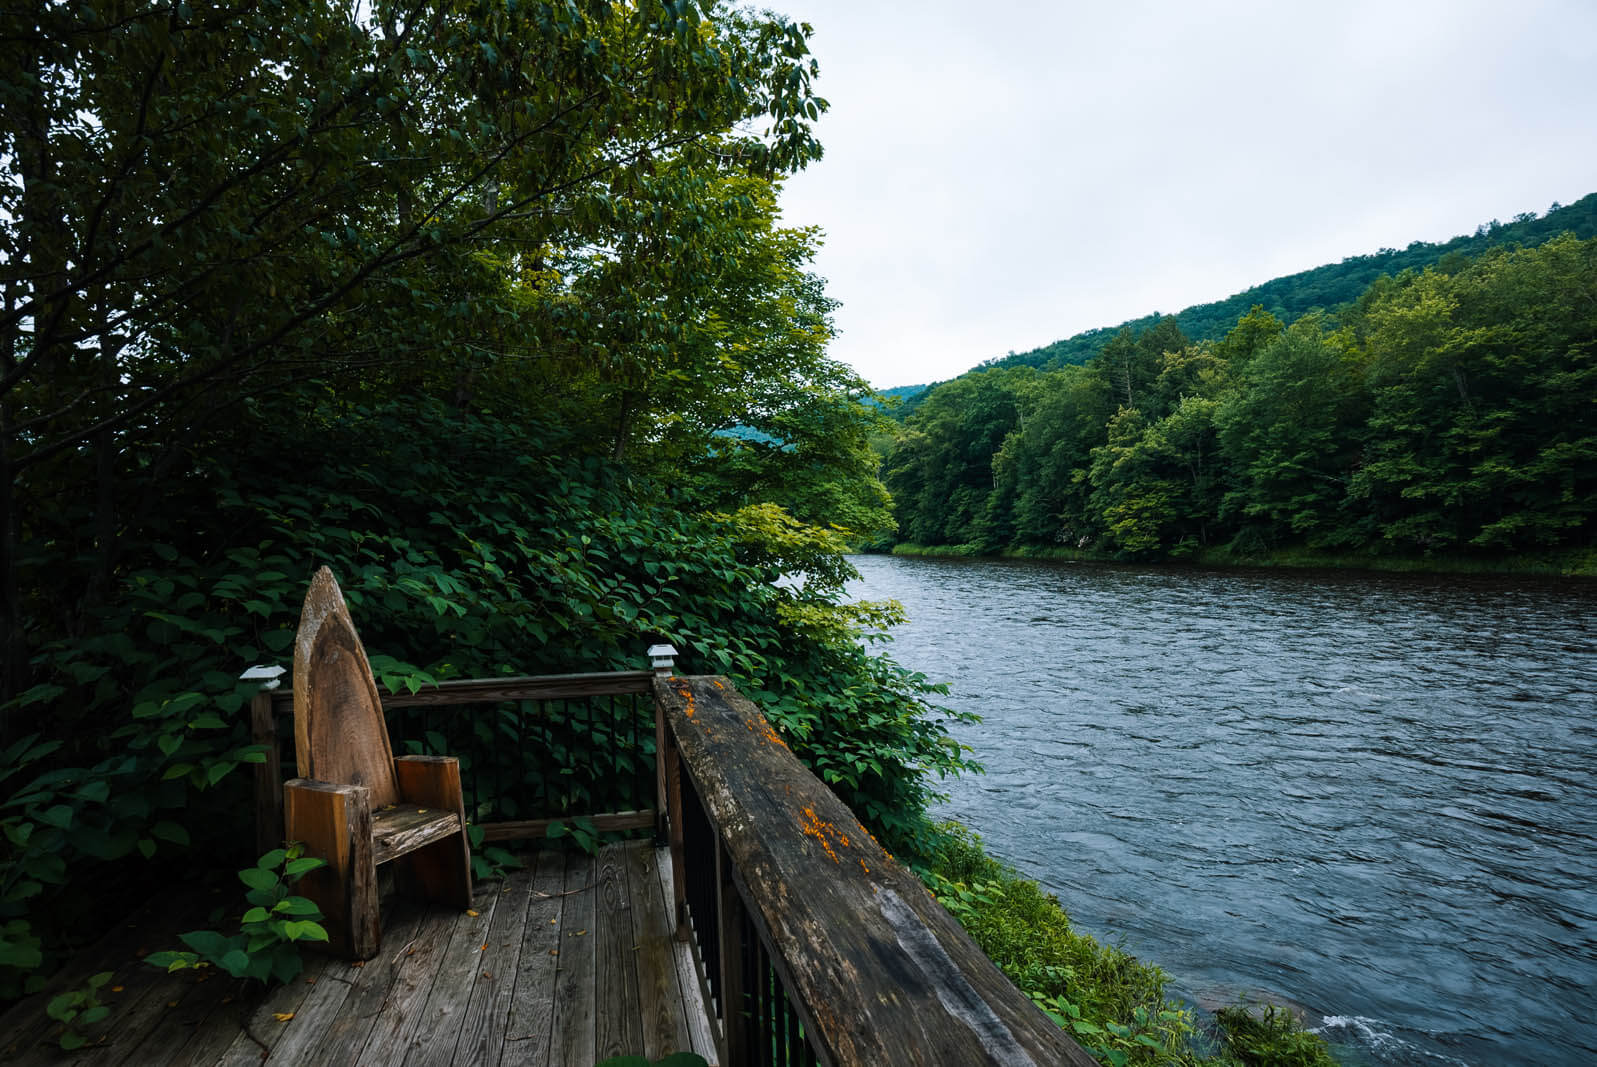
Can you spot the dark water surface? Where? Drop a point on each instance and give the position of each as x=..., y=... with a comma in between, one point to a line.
x=1373, y=796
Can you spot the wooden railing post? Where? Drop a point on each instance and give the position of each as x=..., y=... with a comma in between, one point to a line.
x=268, y=775
x=679, y=861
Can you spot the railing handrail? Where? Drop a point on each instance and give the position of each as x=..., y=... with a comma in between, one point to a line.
x=877, y=970
x=491, y=690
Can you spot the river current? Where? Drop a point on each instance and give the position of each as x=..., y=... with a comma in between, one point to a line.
x=1370, y=796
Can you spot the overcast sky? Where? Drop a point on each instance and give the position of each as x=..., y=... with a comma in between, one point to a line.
x=1001, y=175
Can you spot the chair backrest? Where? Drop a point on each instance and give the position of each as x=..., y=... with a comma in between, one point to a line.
x=339, y=733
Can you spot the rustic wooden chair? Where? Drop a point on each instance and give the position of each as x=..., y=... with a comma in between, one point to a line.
x=355, y=805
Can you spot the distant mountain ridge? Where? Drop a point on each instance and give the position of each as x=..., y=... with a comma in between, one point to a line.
x=1291, y=296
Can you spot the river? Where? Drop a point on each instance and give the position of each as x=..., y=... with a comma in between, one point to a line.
x=1374, y=796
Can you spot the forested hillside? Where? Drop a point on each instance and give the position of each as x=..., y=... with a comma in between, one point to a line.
x=1444, y=411
x=1291, y=296
x=458, y=299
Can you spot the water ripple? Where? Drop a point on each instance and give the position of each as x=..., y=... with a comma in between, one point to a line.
x=1375, y=796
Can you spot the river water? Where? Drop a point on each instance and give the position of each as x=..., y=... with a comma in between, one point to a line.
x=1372, y=796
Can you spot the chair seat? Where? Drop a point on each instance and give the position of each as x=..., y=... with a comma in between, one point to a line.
x=399, y=829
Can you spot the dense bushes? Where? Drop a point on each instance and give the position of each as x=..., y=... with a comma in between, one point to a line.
x=468, y=545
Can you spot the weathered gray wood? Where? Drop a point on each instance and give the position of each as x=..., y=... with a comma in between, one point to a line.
x=203, y=991
x=690, y=977
x=572, y=1035
x=531, y=829
x=528, y=1030
x=878, y=970
x=540, y=687
x=370, y=986
x=660, y=1003
x=213, y=1037
x=462, y=691
x=618, y=1029
x=482, y=1029
x=454, y=976
x=328, y=992
x=673, y=800
x=261, y=1028
x=147, y=997
x=396, y=1027
x=405, y=1001
x=407, y=827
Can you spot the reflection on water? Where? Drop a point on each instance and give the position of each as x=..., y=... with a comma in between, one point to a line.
x=1374, y=796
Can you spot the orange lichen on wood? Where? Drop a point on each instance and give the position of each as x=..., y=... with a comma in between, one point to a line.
x=818, y=828
x=685, y=691
x=768, y=733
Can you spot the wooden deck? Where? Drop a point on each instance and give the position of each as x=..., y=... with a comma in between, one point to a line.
x=563, y=964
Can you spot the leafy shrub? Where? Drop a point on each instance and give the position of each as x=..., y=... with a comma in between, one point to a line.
x=266, y=947
x=1271, y=1037
x=467, y=545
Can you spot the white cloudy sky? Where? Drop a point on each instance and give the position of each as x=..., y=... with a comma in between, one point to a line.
x=1001, y=175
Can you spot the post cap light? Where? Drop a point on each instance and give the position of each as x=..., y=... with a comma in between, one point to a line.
x=266, y=674
x=662, y=658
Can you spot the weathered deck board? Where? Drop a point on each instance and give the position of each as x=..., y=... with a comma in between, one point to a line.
x=453, y=979
x=572, y=1029
x=659, y=992
x=617, y=1025
x=370, y=988
x=532, y=1002
x=690, y=979
x=482, y=1030
x=531, y=979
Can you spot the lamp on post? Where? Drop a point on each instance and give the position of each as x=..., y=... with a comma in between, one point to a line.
x=267, y=675
x=663, y=659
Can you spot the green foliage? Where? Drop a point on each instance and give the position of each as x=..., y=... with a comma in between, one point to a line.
x=675, y=1059
x=1271, y=1037
x=1440, y=413
x=1111, y=1002
x=78, y=1008
x=459, y=302
x=489, y=862
x=580, y=829
x=1324, y=288
x=266, y=947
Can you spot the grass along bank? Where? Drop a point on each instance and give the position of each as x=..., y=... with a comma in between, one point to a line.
x=1567, y=563
x=1114, y=1004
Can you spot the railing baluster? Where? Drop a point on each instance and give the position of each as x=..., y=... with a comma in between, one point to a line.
x=734, y=963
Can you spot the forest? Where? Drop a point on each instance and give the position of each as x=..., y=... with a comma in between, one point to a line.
x=1446, y=412
x=457, y=299
x=1292, y=296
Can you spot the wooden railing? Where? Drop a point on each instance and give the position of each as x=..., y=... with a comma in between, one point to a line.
x=814, y=945
x=817, y=946
x=528, y=749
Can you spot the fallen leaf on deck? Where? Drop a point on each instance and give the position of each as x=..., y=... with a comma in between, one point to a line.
x=472, y=912
x=282, y=1016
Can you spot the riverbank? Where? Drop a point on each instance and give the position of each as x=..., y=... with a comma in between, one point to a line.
x=1568, y=563
x=1113, y=1003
